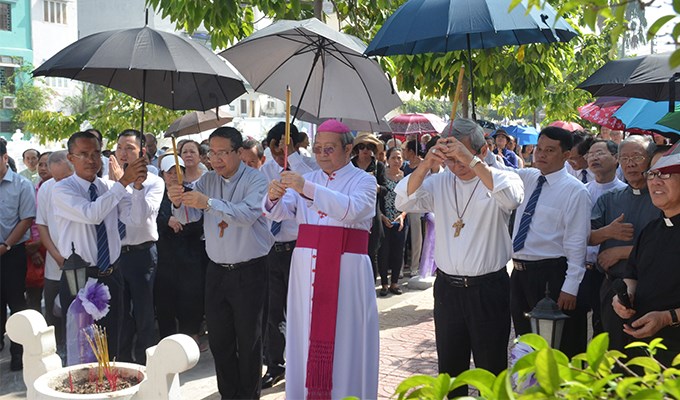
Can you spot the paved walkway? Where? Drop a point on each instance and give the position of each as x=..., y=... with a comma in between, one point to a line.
x=407, y=347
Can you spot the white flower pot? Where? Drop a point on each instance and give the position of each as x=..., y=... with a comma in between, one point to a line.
x=44, y=385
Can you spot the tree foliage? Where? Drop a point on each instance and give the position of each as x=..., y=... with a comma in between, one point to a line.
x=28, y=96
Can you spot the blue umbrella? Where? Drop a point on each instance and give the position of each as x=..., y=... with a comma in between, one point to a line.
x=430, y=26
x=524, y=134
x=644, y=114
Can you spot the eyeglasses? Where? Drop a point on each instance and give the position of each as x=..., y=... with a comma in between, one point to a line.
x=219, y=154
x=649, y=175
x=634, y=159
x=596, y=154
x=90, y=156
x=326, y=150
x=363, y=146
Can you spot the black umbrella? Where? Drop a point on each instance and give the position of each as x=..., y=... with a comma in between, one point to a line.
x=431, y=26
x=152, y=66
x=646, y=77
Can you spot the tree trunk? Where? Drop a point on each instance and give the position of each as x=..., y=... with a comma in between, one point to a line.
x=318, y=10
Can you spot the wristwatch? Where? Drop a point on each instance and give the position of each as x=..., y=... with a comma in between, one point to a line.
x=10, y=248
x=674, y=318
x=475, y=160
x=209, y=205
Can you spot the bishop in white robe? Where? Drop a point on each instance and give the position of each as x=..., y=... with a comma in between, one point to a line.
x=332, y=332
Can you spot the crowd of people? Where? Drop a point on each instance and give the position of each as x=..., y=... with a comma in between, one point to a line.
x=276, y=253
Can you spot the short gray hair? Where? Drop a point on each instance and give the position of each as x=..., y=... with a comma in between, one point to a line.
x=346, y=138
x=58, y=157
x=463, y=127
x=252, y=143
x=643, y=140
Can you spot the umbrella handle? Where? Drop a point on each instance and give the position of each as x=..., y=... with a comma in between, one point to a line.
x=177, y=168
x=459, y=89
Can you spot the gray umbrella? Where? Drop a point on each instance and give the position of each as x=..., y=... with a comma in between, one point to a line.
x=197, y=122
x=326, y=70
x=152, y=66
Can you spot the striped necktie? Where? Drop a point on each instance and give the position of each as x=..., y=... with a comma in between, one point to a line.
x=276, y=227
x=584, y=176
x=521, y=236
x=122, y=231
x=103, y=260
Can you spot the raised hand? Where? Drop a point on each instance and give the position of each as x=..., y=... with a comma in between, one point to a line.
x=276, y=190
x=620, y=230
x=293, y=180
x=456, y=150
x=115, y=169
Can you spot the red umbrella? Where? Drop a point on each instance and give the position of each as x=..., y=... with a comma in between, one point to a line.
x=602, y=115
x=570, y=126
x=416, y=123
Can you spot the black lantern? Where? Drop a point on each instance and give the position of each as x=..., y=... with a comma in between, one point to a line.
x=547, y=320
x=75, y=270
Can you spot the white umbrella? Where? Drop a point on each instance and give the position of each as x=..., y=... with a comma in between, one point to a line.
x=353, y=124
x=327, y=72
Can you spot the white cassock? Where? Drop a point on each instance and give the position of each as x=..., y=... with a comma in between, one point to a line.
x=346, y=199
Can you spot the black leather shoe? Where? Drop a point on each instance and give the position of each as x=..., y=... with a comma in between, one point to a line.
x=16, y=364
x=269, y=380
x=383, y=292
x=395, y=290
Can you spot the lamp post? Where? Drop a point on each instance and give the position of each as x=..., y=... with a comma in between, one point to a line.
x=547, y=320
x=75, y=270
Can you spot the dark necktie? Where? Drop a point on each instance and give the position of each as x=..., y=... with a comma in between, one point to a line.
x=521, y=236
x=121, y=230
x=276, y=227
x=584, y=176
x=103, y=260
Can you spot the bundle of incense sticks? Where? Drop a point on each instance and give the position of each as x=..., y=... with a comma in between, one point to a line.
x=100, y=347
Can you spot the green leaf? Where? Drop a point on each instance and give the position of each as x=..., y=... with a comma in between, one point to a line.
x=546, y=371
x=658, y=24
x=414, y=382
x=647, y=394
x=672, y=386
x=535, y=341
x=479, y=378
x=513, y=4
x=596, y=350
x=648, y=363
x=676, y=6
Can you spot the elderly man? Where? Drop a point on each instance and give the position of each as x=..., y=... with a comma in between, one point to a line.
x=30, y=158
x=654, y=278
x=60, y=168
x=472, y=288
x=616, y=221
x=152, y=152
x=332, y=329
x=253, y=153
x=18, y=211
x=237, y=240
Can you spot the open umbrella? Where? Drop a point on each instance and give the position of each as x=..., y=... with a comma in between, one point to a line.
x=149, y=65
x=353, y=124
x=570, y=126
x=644, y=77
x=644, y=114
x=524, y=134
x=417, y=123
x=431, y=26
x=197, y=122
x=328, y=74
x=602, y=116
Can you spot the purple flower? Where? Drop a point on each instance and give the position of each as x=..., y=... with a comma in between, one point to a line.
x=95, y=298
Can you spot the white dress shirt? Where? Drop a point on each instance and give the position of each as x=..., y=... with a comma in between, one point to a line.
x=150, y=197
x=45, y=216
x=596, y=190
x=561, y=223
x=76, y=216
x=577, y=173
x=484, y=244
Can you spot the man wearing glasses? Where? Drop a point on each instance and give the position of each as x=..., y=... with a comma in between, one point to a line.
x=87, y=212
x=332, y=328
x=616, y=221
x=237, y=240
x=654, y=278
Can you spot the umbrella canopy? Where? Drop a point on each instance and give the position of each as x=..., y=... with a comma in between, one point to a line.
x=327, y=72
x=602, y=115
x=152, y=66
x=197, y=122
x=644, y=114
x=417, y=123
x=644, y=77
x=570, y=126
x=430, y=26
x=671, y=120
x=353, y=124
x=524, y=134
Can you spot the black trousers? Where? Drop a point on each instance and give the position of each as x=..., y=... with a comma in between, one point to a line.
x=611, y=322
x=278, y=265
x=12, y=287
x=391, y=255
x=528, y=287
x=589, y=297
x=474, y=319
x=113, y=321
x=138, y=268
x=234, y=304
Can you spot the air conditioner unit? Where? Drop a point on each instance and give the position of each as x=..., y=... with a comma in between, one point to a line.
x=9, y=102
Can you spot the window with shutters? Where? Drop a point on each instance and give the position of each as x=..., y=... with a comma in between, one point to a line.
x=54, y=12
x=5, y=17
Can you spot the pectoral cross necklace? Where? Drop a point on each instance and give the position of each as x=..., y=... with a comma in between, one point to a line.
x=459, y=225
x=223, y=224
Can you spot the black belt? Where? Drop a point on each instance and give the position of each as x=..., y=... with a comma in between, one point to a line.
x=136, y=247
x=280, y=247
x=94, y=272
x=521, y=265
x=467, y=281
x=232, y=267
